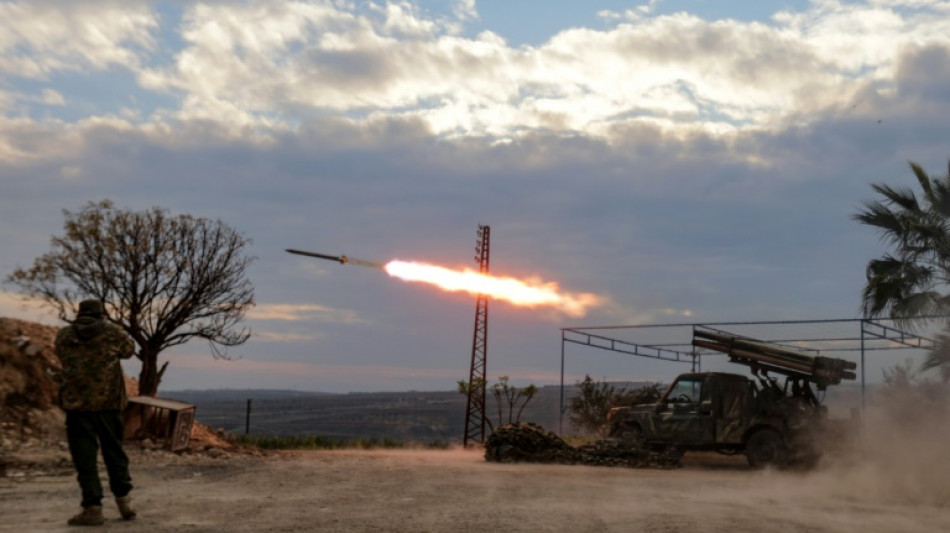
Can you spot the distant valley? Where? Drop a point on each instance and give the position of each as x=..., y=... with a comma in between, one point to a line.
x=413, y=416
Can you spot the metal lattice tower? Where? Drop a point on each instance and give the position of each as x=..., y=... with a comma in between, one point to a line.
x=475, y=407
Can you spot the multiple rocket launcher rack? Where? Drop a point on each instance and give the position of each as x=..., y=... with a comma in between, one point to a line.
x=764, y=357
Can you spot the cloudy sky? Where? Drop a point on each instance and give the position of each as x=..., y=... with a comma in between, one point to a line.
x=686, y=161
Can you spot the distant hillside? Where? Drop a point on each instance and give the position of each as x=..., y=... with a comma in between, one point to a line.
x=237, y=395
x=406, y=416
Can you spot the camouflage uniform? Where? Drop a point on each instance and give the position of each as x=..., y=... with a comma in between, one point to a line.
x=92, y=392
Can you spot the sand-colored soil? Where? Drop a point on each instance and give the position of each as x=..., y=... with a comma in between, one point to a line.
x=436, y=491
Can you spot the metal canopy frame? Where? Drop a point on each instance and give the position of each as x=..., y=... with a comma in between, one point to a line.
x=836, y=338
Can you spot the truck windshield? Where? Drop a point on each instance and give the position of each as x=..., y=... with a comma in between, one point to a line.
x=685, y=390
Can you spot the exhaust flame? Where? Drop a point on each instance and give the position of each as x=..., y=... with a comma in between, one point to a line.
x=532, y=293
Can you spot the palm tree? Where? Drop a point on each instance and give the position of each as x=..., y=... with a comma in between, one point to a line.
x=911, y=283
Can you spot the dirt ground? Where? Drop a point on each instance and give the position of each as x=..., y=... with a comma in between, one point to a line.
x=456, y=490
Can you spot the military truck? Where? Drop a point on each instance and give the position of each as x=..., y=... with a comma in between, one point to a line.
x=772, y=423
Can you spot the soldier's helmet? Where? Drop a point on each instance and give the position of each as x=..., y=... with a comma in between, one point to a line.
x=93, y=308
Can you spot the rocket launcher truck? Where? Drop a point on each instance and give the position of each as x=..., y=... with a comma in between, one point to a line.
x=771, y=423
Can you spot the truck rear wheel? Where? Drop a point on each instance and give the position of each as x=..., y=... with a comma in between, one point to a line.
x=766, y=448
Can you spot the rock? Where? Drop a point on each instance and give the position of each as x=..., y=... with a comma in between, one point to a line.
x=20, y=341
x=217, y=453
x=31, y=350
x=27, y=387
x=528, y=443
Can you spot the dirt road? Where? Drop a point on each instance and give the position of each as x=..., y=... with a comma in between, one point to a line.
x=436, y=491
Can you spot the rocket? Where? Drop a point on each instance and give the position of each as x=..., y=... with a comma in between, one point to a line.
x=341, y=258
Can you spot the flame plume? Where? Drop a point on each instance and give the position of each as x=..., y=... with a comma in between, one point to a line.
x=525, y=293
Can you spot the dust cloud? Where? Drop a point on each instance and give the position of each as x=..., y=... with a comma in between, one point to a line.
x=900, y=456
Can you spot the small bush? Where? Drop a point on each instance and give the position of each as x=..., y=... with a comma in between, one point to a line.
x=594, y=399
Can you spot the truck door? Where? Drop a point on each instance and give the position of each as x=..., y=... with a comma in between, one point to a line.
x=686, y=414
x=732, y=408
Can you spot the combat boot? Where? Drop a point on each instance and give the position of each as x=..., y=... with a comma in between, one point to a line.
x=90, y=516
x=124, y=503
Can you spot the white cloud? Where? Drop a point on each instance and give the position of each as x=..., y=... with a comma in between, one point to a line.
x=465, y=9
x=39, y=38
x=616, y=313
x=70, y=172
x=23, y=139
x=309, y=312
x=274, y=336
x=240, y=52
x=401, y=20
x=863, y=40
x=246, y=62
x=51, y=97
x=253, y=71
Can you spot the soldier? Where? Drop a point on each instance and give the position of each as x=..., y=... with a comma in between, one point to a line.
x=92, y=392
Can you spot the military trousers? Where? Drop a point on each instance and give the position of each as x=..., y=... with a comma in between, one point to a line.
x=86, y=432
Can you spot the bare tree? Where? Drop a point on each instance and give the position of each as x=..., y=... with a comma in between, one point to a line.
x=507, y=398
x=166, y=279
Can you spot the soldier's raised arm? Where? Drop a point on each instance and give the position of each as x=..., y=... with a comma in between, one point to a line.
x=125, y=346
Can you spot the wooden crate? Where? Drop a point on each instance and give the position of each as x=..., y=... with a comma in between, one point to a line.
x=169, y=421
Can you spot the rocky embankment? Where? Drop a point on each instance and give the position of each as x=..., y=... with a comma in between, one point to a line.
x=28, y=411
x=32, y=430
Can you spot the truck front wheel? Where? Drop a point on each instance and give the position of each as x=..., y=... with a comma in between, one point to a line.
x=766, y=448
x=630, y=434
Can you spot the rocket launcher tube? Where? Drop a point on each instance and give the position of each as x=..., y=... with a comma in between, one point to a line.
x=756, y=346
x=763, y=356
x=759, y=357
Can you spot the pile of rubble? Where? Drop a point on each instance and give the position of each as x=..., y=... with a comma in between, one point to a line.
x=526, y=442
x=28, y=410
x=531, y=443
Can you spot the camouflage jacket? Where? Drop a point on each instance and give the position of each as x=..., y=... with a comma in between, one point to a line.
x=92, y=378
